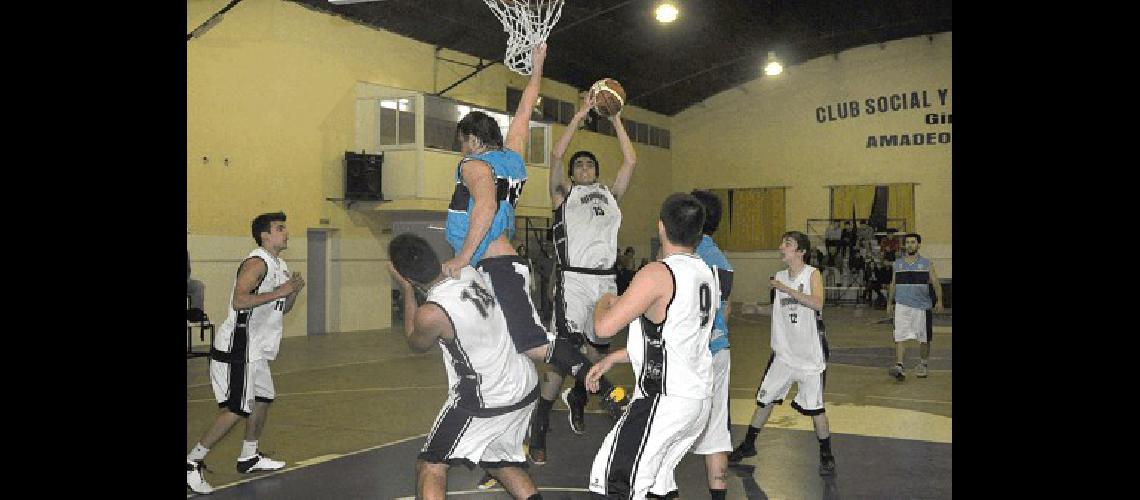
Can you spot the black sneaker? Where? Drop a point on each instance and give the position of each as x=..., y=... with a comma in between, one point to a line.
x=615, y=402
x=577, y=406
x=897, y=372
x=827, y=465
x=741, y=452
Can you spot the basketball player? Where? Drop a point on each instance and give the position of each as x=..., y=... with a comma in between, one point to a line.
x=481, y=222
x=247, y=341
x=586, y=223
x=669, y=308
x=914, y=276
x=799, y=351
x=492, y=387
x=716, y=440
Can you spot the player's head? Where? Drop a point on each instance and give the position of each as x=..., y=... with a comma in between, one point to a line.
x=681, y=219
x=269, y=230
x=414, y=259
x=712, y=210
x=478, y=131
x=793, y=246
x=583, y=168
x=911, y=242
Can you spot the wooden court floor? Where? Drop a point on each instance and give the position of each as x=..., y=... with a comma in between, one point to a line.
x=352, y=410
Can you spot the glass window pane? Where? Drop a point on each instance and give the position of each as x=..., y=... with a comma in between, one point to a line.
x=536, y=151
x=550, y=109
x=407, y=121
x=654, y=136
x=630, y=129
x=513, y=97
x=387, y=122
x=440, y=119
x=566, y=112
x=643, y=133
x=665, y=138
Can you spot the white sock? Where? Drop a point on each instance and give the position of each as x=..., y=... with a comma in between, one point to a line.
x=248, y=448
x=198, y=453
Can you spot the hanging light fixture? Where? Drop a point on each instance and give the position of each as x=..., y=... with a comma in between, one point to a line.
x=666, y=12
x=773, y=67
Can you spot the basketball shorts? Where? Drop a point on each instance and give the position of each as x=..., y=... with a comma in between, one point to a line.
x=509, y=277
x=912, y=324
x=640, y=453
x=237, y=384
x=778, y=379
x=575, y=299
x=460, y=437
x=717, y=436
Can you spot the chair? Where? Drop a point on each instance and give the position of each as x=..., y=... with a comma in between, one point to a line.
x=196, y=318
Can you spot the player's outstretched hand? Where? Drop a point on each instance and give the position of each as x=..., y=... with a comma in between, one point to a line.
x=596, y=372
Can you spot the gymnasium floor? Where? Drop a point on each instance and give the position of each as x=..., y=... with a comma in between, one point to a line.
x=353, y=409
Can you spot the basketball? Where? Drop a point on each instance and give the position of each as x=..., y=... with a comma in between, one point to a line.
x=609, y=96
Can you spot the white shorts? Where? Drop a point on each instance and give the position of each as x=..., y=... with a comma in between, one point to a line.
x=911, y=323
x=238, y=385
x=717, y=436
x=459, y=437
x=778, y=379
x=640, y=453
x=574, y=301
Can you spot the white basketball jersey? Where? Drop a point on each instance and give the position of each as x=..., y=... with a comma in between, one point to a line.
x=673, y=358
x=483, y=368
x=258, y=330
x=586, y=227
x=796, y=340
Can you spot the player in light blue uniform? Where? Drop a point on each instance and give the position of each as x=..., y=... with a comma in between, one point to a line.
x=716, y=441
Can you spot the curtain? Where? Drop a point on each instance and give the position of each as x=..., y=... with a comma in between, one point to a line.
x=751, y=219
x=901, y=205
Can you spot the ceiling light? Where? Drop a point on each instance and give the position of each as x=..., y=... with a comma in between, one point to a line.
x=773, y=67
x=666, y=12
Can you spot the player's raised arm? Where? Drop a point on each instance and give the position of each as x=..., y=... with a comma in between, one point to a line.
x=520, y=124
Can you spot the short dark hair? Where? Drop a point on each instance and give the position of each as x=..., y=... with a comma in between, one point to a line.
x=481, y=125
x=575, y=156
x=712, y=210
x=913, y=235
x=801, y=239
x=414, y=258
x=683, y=217
x=264, y=223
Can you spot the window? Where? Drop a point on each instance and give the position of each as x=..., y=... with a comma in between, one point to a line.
x=566, y=112
x=536, y=148
x=440, y=118
x=397, y=122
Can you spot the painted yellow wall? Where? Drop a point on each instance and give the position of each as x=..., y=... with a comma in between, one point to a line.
x=766, y=133
x=271, y=108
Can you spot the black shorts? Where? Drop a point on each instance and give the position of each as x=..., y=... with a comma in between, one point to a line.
x=509, y=277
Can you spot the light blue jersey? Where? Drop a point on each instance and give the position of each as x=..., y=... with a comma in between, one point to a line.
x=912, y=283
x=510, y=175
x=711, y=254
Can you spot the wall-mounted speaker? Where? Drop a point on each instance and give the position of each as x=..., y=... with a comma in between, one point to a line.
x=362, y=176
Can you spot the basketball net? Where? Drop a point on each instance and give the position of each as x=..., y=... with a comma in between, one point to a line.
x=527, y=23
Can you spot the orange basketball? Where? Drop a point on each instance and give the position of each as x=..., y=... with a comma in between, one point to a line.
x=609, y=96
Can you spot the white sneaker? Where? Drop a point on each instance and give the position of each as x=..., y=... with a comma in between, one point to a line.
x=921, y=369
x=194, y=479
x=258, y=462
